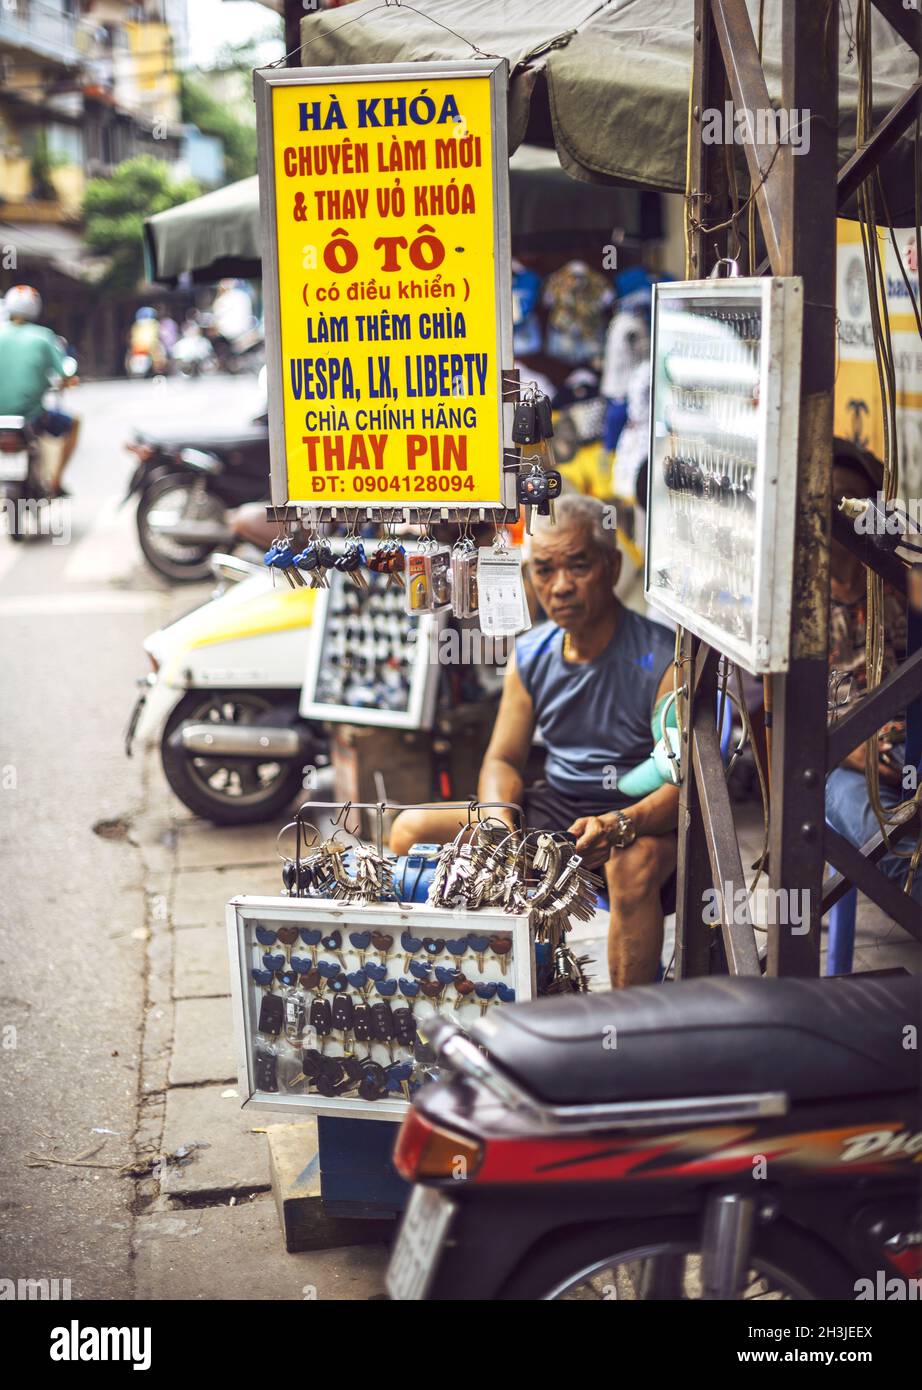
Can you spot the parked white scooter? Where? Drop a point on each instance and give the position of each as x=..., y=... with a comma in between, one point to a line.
x=222, y=697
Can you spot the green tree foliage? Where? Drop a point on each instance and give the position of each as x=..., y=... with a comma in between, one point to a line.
x=114, y=210
x=212, y=118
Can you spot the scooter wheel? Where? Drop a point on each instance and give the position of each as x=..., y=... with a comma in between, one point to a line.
x=222, y=789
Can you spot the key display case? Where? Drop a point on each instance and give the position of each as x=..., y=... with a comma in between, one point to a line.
x=725, y=391
x=327, y=995
x=369, y=661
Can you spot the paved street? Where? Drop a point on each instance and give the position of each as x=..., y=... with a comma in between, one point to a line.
x=94, y=850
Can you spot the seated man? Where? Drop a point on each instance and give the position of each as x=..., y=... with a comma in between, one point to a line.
x=589, y=679
x=848, y=805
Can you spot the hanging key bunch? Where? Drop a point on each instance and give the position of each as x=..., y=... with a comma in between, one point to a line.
x=352, y=560
x=280, y=558
x=390, y=559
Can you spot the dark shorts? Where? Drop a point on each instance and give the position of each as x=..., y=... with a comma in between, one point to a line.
x=548, y=809
x=54, y=422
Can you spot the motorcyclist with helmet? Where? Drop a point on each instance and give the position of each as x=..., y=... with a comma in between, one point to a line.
x=30, y=356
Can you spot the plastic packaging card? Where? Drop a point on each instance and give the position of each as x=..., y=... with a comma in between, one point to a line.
x=503, y=607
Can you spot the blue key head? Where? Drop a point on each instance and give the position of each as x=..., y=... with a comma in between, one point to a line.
x=396, y=1074
x=325, y=555
x=282, y=559
x=375, y=971
x=386, y=988
x=485, y=989
x=262, y=977
x=478, y=944
x=457, y=946
x=408, y=988
x=270, y=555
x=272, y=962
x=420, y=969
x=339, y=984
x=328, y=969
x=289, y=978
x=505, y=992
x=411, y=944
x=360, y=940
x=301, y=964
x=446, y=974
x=266, y=936
x=357, y=979
x=333, y=941
x=311, y=935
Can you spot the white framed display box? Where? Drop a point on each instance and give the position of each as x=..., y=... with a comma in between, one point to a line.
x=724, y=424
x=364, y=641
x=244, y=914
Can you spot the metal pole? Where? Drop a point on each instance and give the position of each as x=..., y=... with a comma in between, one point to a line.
x=810, y=66
x=293, y=14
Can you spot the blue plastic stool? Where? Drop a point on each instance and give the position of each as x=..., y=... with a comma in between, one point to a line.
x=840, y=945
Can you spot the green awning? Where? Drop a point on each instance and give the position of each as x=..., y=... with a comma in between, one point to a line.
x=606, y=84
x=219, y=233
x=208, y=237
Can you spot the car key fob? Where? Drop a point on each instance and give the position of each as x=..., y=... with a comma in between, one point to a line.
x=271, y=1015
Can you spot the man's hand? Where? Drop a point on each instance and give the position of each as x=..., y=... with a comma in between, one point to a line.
x=888, y=773
x=593, y=841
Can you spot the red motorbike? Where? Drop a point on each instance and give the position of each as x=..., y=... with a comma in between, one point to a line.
x=709, y=1139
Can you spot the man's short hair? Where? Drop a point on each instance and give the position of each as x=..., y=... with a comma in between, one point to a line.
x=576, y=509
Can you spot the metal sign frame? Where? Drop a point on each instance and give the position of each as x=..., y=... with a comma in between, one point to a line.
x=264, y=83
x=780, y=302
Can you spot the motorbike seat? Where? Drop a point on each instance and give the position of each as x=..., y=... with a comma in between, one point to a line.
x=812, y=1039
x=216, y=439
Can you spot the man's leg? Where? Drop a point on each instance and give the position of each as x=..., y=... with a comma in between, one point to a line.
x=635, y=937
x=428, y=827
x=64, y=458
x=849, y=810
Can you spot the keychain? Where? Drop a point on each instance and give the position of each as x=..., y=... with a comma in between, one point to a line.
x=428, y=571
x=464, y=596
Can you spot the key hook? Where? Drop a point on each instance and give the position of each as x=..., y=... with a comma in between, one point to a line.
x=341, y=818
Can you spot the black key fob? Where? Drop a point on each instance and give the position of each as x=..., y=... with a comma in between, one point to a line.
x=320, y=1017
x=382, y=1022
x=271, y=1015
x=265, y=1067
x=361, y=1023
x=543, y=420
x=532, y=488
x=525, y=424
x=554, y=483
x=343, y=1013
x=311, y=1062
x=373, y=1084
x=404, y=1027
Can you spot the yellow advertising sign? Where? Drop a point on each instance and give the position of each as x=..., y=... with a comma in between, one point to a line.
x=858, y=412
x=385, y=214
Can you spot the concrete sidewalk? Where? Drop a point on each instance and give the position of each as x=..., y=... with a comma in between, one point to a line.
x=208, y=1227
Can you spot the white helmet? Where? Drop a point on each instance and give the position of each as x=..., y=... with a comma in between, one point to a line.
x=23, y=302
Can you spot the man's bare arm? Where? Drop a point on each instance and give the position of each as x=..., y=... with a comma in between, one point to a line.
x=501, y=775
